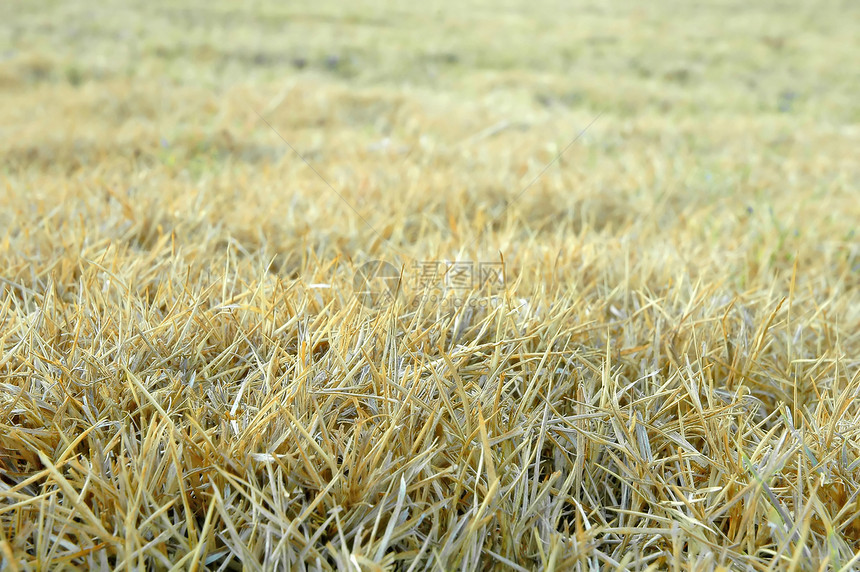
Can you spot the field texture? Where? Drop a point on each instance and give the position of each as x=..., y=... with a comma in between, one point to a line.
x=616, y=323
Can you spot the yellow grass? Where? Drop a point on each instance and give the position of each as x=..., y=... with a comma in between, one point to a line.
x=191, y=376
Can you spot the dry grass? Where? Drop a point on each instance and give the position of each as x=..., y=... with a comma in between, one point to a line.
x=668, y=378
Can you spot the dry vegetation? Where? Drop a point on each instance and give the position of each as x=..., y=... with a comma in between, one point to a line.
x=668, y=378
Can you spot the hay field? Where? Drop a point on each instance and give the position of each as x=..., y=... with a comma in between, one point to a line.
x=661, y=371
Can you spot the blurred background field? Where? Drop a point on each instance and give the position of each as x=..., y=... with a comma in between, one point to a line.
x=708, y=111
x=187, y=377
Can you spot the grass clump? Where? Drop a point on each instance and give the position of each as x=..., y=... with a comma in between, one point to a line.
x=660, y=373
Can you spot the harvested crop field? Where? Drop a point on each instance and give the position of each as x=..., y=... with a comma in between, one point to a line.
x=452, y=285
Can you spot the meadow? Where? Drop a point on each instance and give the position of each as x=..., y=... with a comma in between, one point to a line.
x=617, y=323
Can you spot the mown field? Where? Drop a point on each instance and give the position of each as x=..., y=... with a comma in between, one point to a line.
x=658, y=370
